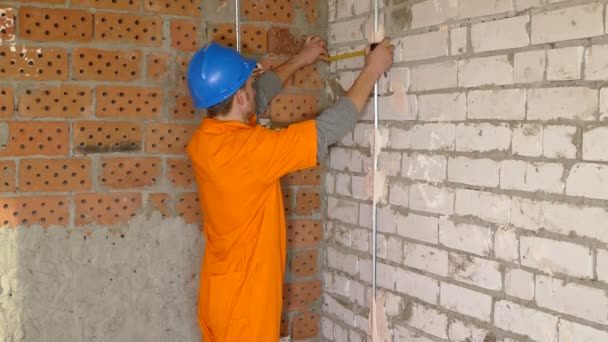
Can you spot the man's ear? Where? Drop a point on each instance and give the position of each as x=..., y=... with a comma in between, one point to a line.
x=239, y=96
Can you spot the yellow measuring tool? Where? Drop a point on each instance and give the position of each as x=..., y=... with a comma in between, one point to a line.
x=349, y=55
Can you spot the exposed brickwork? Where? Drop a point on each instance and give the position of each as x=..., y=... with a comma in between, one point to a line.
x=492, y=175
x=96, y=103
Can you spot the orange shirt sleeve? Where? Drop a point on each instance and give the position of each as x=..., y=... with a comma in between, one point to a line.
x=275, y=153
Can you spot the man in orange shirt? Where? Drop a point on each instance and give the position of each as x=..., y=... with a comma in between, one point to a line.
x=238, y=165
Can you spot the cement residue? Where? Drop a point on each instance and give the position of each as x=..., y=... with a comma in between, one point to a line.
x=136, y=283
x=4, y=134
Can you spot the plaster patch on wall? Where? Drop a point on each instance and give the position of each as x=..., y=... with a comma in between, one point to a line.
x=371, y=35
x=378, y=319
x=132, y=283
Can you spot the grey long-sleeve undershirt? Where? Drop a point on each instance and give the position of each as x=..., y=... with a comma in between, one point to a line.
x=332, y=123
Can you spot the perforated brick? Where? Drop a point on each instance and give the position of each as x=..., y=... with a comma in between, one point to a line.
x=224, y=34
x=106, y=209
x=65, y=101
x=254, y=39
x=37, y=138
x=7, y=24
x=168, y=138
x=304, y=264
x=42, y=210
x=184, y=108
x=160, y=202
x=185, y=34
x=183, y=62
x=303, y=233
x=301, y=295
x=7, y=103
x=311, y=10
x=189, y=208
x=132, y=5
x=281, y=11
x=128, y=28
x=57, y=174
x=284, y=326
x=282, y=42
x=190, y=8
x=100, y=137
x=104, y=65
x=128, y=102
x=310, y=176
x=7, y=176
x=157, y=66
x=293, y=107
x=305, y=325
x=288, y=200
x=181, y=173
x=307, y=78
x=308, y=201
x=129, y=172
x=33, y=63
x=47, y=24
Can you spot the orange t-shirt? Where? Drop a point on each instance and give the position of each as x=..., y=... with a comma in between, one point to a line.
x=237, y=169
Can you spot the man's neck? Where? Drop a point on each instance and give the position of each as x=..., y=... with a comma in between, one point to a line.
x=232, y=116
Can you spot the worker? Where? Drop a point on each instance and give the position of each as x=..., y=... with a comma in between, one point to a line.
x=238, y=165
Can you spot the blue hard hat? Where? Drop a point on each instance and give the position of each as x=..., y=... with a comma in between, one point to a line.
x=215, y=73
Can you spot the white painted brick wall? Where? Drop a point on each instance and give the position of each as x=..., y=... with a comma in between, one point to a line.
x=461, y=331
x=429, y=320
x=465, y=237
x=417, y=285
x=480, y=172
x=433, y=107
x=556, y=256
x=343, y=210
x=418, y=227
x=588, y=180
x=524, y=321
x=425, y=258
x=529, y=66
x=424, y=167
x=482, y=137
x=465, y=301
x=433, y=12
x=596, y=66
x=574, y=299
x=570, y=23
x=595, y=146
x=496, y=104
x=500, y=34
x=485, y=205
x=475, y=271
x=570, y=331
x=425, y=45
x=525, y=176
x=434, y=76
x=493, y=221
x=474, y=72
x=506, y=245
x=458, y=39
x=429, y=136
x=574, y=103
x=519, y=283
x=565, y=63
x=431, y=199
x=477, y=8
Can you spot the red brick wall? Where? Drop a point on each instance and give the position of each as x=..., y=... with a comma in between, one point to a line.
x=94, y=96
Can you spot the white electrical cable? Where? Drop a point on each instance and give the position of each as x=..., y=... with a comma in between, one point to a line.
x=375, y=197
x=238, y=24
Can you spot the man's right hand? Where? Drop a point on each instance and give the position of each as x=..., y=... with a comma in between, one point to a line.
x=380, y=59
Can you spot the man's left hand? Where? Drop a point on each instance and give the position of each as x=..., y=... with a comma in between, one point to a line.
x=314, y=49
